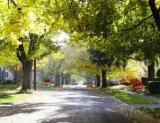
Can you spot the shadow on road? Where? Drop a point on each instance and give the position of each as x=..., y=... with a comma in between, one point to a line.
x=66, y=106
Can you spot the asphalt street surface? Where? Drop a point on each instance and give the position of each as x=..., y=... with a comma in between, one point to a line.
x=69, y=105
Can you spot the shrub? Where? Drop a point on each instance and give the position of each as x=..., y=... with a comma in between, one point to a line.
x=153, y=87
x=156, y=79
x=136, y=84
x=8, y=82
x=145, y=80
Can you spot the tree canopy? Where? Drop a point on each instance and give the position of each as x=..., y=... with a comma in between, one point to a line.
x=124, y=29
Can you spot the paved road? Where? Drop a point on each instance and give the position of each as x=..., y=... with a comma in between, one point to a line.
x=70, y=105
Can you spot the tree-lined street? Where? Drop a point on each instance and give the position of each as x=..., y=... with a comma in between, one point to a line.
x=110, y=46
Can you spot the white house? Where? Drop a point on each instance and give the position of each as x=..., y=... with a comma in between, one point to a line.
x=5, y=74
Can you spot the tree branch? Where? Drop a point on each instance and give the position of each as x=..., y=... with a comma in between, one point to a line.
x=61, y=9
x=8, y=4
x=21, y=53
x=32, y=38
x=13, y=3
x=138, y=24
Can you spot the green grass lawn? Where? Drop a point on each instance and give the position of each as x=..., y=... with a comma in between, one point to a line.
x=9, y=95
x=157, y=95
x=128, y=98
x=8, y=87
x=6, y=97
x=12, y=98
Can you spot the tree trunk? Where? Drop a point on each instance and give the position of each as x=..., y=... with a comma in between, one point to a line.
x=155, y=12
x=0, y=74
x=67, y=78
x=151, y=71
x=62, y=79
x=57, y=79
x=98, y=80
x=104, y=84
x=26, y=61
x=27, y=71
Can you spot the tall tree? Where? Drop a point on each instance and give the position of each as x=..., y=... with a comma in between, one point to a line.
x=28, y=27
x=103, y=61
x=138, y=37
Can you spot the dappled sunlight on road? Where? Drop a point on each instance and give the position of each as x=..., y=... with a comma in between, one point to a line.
x=70, y=105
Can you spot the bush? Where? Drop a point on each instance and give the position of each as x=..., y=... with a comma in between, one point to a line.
x=153, y=87
x=156, y=79
x=145, y=80
x=136, y=84
x=8, y=82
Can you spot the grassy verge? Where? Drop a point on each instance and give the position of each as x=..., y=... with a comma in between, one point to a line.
x=157, y=95
x=5, y=88
x=8, y=94
x=125, y=97
x=12, y=98
x=47, y=87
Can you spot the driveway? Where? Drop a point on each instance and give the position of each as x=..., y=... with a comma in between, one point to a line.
x=69, y=105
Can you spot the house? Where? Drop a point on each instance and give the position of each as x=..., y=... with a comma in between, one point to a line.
x=5, y=74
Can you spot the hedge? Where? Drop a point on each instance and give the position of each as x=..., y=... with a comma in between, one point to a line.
x=153, y=87
x=145, y=80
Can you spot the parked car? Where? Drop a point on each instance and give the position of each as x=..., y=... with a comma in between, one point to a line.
x=89, y=84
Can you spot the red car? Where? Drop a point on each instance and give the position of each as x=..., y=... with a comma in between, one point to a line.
x=46, y=81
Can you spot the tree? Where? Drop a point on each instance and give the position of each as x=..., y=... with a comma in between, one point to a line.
x=128, y=25
x=138, y=37
x=103, y=61
x=122, y=29
x=154, y=5
x=28, y=27
x=26, y=57
x=76, y=61
x=90, y=19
